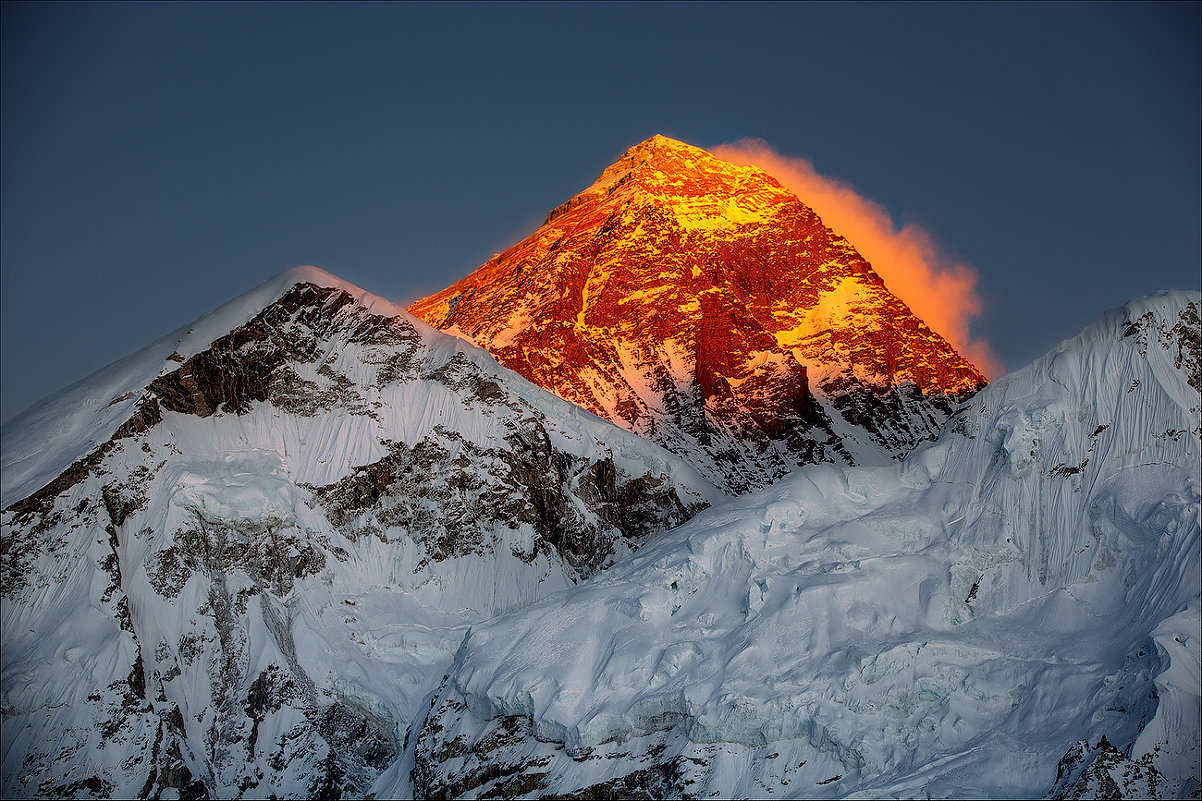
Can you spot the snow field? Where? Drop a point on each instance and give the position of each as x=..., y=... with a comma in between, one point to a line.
x=951, y=625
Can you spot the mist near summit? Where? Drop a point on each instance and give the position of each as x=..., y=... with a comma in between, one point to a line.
x=939, y=289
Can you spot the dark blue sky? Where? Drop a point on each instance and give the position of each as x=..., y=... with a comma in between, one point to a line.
x=158, y=159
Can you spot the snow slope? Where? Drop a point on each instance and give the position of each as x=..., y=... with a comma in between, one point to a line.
x=1011, y=612
x=42, y=441
x=243, y=576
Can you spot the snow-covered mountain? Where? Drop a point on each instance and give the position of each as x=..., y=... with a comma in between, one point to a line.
x=703, y=306
x=236, y=562
x=1013, y=611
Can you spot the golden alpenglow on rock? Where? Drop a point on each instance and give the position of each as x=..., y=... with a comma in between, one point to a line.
x=704, y=306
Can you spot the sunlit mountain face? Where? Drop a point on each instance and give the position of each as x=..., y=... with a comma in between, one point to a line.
x=704, y=306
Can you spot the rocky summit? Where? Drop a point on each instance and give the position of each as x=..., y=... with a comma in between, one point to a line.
x=703, y=306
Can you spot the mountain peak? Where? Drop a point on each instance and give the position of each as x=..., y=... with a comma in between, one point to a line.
x=703, y=305
x=700, y=188
x=664, y=146
x=293, y=447
x=44, y=439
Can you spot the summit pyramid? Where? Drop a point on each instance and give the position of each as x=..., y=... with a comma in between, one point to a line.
x=704, y=306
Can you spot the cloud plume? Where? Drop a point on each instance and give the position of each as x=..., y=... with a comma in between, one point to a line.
x=940, y=290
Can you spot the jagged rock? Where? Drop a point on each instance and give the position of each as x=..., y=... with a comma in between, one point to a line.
x=1102, y=771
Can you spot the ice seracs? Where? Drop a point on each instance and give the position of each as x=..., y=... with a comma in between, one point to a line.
x=1012, y=611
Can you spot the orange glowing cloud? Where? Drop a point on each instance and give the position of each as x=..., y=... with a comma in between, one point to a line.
x=940, y=290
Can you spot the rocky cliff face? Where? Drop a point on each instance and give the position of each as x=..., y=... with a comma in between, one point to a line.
x=703, y=306
x=248, y=585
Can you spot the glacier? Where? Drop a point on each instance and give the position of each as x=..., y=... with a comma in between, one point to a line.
x=1013, y=611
